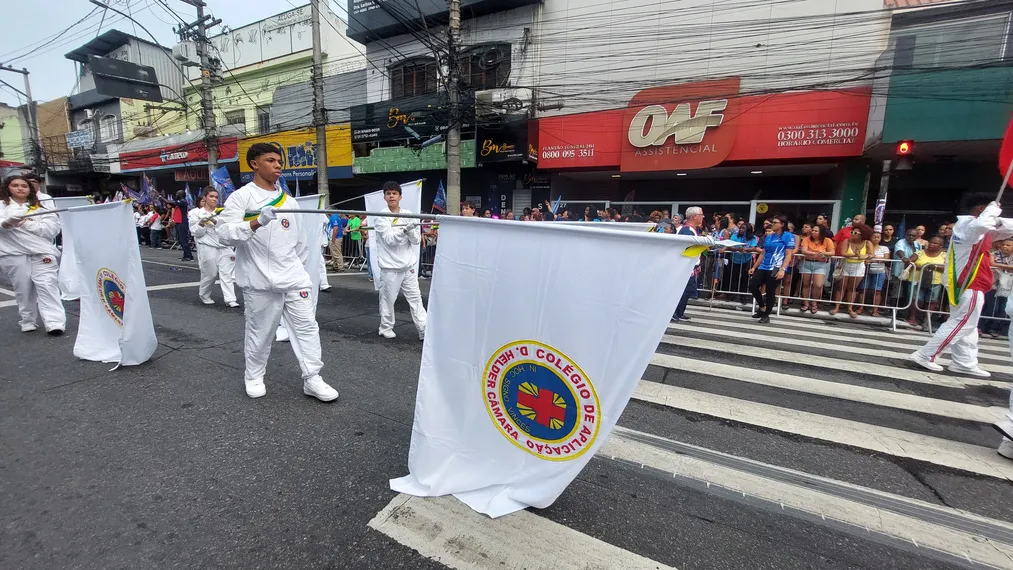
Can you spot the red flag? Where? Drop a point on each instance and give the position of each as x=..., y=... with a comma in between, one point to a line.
x=1006, y=152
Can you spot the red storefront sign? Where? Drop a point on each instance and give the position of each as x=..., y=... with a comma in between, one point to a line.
x=175, y=156
x=680, y=127
x=579, y=141
x=705, y=124
x=191, y=175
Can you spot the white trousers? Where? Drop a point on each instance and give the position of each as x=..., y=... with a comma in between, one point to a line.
x=959, y=333
x=217, y=262
x=36, y=281
x=323, y=273
x=264, y=311
x=390, y=283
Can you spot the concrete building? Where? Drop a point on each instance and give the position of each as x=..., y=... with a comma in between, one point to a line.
x=13, y=148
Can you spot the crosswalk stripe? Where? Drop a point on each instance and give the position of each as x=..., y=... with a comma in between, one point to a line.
x=449, y=532
x=943, y=530
x=953, y=454
x=828, y=333
x=836, y=347
x=884, y=371
x=791, y=321
x=898, y=400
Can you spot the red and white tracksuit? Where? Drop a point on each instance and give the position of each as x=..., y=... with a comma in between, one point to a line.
x=972, y=239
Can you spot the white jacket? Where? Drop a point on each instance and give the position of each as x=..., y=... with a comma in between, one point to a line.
x=204, y=234
x=34, y=237
x=970, y=230
x=398, y=249
x=273, y=257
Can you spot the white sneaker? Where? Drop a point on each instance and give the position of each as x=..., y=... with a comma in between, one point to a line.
x=29, y=327
x=208, y=301
x=1005, y=427
x=255, y=388
x=324, y=287
x=281, y=335
x=924, y=362
x=231, y=304
x=976, y=371
x=1006, y=448
x=422, y=335
x=387, y=334
x=319, y=389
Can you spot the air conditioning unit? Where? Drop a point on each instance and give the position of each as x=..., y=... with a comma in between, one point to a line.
x=505, y=101
x=185, y=52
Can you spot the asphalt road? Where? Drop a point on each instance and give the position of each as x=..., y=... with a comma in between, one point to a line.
x=171, y=465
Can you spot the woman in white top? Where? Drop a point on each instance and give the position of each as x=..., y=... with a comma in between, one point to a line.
x=875, y=277
x=29, y=258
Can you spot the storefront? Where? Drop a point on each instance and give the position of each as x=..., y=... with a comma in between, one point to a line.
x=706, y=143
x=173, y=167
x=299, y=156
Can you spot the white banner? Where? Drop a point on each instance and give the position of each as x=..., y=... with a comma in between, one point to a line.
x=624, y=226
x=313, y=226
x=411, y=200
x=71, y=284
x=530, y=358
x=115, y=316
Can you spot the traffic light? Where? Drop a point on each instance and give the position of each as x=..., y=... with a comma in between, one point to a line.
x=905, y=150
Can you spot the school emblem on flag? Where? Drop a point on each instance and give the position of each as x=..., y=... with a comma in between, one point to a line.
x=112, y=292
x=541, y=400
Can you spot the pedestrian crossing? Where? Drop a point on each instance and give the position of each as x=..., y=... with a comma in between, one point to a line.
x=912, y=452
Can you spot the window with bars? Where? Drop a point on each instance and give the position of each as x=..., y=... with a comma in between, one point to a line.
x=264, y=119
x=417, y=77
x=236, y=117
x=486, y=66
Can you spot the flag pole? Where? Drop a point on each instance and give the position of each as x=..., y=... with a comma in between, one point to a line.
x=1005, y=181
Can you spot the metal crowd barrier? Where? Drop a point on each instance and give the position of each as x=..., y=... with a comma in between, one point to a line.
x=725, y=275
x=932, y=304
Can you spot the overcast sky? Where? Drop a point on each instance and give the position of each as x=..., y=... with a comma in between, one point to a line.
x=34, y=25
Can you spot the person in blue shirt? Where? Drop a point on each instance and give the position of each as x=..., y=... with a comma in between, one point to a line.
x=769, y=268
x=735, y=276
x=336, y=230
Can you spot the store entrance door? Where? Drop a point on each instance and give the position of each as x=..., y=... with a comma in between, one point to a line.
x=797, y=211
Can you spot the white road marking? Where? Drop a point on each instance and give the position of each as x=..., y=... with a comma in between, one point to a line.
x=837, y=334
x=839, y=325
x=173, y=286
x=899, y=443
x=837, y=390
x=883, y=371
x=449, y=532
x=826, y=505
x=841, y=346
x=194, y=267
x=8, y=304
x=7, y=292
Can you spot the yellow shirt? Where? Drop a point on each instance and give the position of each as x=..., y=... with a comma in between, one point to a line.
x=926, y=259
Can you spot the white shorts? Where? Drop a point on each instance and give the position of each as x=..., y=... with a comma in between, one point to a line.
x=854, y=269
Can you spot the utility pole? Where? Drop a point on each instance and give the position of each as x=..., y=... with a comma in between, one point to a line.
x=319, y=112
x=453, y=90
x=200, y=39
x=33, y=120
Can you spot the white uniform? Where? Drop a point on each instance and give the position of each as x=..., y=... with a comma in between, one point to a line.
x=960, y=332
x=270, y=271
x=215, y=259
x=397, y=257
x=31, y=262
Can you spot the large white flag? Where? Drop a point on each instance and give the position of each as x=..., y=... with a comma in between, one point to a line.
x=115, y=316
x=71, y=284
x=411, y=199
x=512, y=404
x=312, y=226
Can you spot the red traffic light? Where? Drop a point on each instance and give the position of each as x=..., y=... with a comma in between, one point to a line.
x=904, y=148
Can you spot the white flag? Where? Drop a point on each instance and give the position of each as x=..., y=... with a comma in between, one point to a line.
x=115, y=316
x=71, y=284
x=411, y=200
x=512, y=404
x=312, y=226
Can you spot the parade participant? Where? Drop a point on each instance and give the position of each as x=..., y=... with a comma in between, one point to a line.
x=29, y=258
x=181, y=223
x=968, y=276
x=216, y=260
x=271, y=253
x=399, y=243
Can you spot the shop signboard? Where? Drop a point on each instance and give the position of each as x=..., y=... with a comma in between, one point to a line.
x=191, y=175
x=501, y=142
x=370, y=20
x=705, y=124
x=417, y=118
x=177, y=156
x=299, y=154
